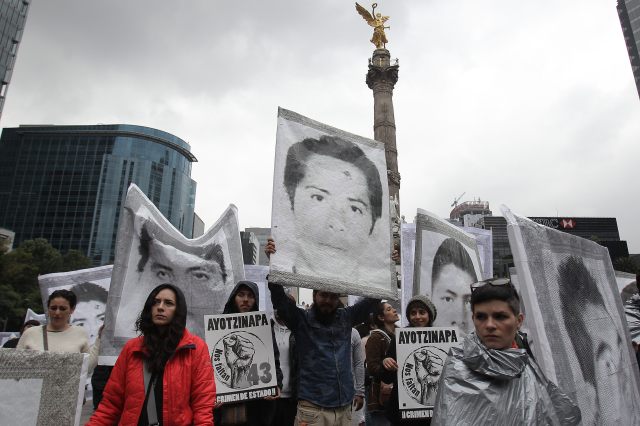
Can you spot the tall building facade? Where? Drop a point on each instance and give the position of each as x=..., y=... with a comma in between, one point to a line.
x=68, y=183
x=13, y=17
x=629, y=14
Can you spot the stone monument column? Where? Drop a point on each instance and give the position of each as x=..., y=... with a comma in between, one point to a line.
x=381, y=78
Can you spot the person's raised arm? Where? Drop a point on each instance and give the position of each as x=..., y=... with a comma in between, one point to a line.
x=287, y=309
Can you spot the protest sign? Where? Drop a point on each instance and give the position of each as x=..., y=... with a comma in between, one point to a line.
x=30, y=315
x=330, y=210
x=242, y=354
x=41, y=388
x=91, y=287
x=150, y=251
x=446, y=262
x=421, y=355
x=575, y=315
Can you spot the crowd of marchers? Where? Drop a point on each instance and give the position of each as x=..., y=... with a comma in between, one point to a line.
x=335, y=365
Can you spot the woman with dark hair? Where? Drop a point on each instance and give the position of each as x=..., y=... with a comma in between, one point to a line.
x=59, y=335
x=163, y=376
x=421, y=312
x=385, y=317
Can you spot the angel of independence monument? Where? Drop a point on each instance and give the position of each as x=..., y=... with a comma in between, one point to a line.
x=381, y=78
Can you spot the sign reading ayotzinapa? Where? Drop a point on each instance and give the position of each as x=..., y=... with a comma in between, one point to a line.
x=421, y=355
x=242, y=356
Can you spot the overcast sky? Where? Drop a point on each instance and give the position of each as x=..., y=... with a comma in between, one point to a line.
x=530, y=104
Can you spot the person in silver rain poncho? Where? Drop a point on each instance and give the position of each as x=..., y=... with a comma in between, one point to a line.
x=490, y=380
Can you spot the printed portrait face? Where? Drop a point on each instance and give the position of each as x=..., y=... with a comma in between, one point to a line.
x=335, y=196
x=90, y=308
x=168, y=265
x=331, y=208
x=593, y=335
x=90, y=315
x=452, y=274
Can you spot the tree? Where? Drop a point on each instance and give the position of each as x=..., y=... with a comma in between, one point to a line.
x=625, y=264
x=19, y=270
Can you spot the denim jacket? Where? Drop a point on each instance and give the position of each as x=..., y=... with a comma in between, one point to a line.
x=324, y=351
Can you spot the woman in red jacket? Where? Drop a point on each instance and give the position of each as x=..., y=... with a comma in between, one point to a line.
x=177, y=387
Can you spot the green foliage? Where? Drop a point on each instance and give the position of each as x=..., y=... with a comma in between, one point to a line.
x=19, y=270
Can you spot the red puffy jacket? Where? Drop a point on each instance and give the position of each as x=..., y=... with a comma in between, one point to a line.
x=189, y=391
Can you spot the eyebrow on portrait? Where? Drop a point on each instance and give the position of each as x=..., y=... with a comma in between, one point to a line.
x=156, y=265
x=358, y=200
x=201, y=268
x=315, y=187
x=451, y=292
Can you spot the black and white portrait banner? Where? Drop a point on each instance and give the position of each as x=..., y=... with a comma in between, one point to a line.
x=241, y=348
x=446, y=262
x=330, y=210
x=484, y=240
x=91, y=287
x=31, y=315
x=576, y=318
x=41, y=388
x=150, y=251
x=421, y=355
x=407, y=257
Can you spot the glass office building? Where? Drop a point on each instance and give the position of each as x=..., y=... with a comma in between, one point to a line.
x=629, y=14
x=13, y=16
x=67, y=183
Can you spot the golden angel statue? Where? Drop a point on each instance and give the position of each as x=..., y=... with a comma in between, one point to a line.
x=376, y=20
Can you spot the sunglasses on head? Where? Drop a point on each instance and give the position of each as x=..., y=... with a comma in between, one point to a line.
x=496, y=282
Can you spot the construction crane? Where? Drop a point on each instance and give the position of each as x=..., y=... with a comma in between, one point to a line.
x=455, y=201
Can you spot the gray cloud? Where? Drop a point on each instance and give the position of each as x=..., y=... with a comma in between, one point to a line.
x=531, y=105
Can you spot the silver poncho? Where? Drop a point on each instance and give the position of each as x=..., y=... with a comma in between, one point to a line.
x=632, y=312
x=501, y=387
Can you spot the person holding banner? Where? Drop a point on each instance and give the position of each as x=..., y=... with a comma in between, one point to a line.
x=244, y=298
x=163, y=376
x=323, y=339
x=489, y=380
x=59, y=335
x=421, y=312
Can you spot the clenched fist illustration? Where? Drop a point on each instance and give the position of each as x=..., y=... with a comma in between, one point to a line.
x=426, y=374
x=238, y=353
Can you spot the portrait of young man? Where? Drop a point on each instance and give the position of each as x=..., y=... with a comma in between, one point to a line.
x=446, y=262
x=200, y=274
x=90, y=308
x=331, y=208
x=572, y=298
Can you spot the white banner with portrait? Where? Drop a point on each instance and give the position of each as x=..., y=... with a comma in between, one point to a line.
x=31, y=315
x=421, y=354
x=91, y=287
x=484, y=240
x=446, y=263
x=41, y=388
x=330, y=210
x=407, y=256
x=242, y=354
x=576, y=318
x=150, y=251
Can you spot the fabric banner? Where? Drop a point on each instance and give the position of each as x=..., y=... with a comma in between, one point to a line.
x=258, y=274
x=91, y=287
x=241, y=348
x=576, y=318
x=8, y=335
x=150, y=252
x=330, y=210
x=484, y=239
x=421, y=356
x=446, y=262
x=41, y=388
x=31, y=315
x=407, y=256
